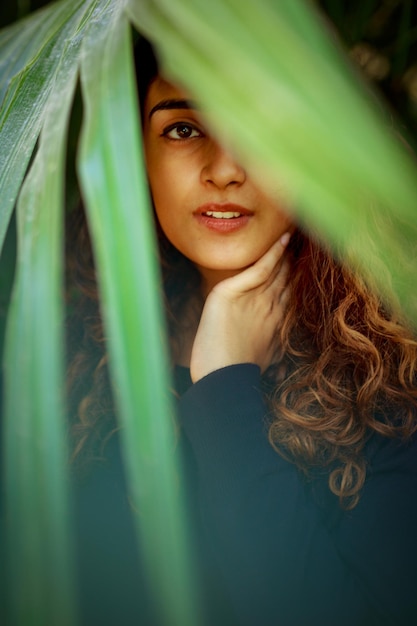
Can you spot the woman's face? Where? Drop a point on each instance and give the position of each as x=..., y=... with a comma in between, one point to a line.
x=206, y=204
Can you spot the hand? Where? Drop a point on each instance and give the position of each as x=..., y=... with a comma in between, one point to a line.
x=241, y=316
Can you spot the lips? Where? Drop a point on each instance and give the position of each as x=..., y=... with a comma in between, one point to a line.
x=223, y=218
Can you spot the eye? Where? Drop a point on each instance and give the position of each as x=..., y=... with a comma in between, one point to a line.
x=181, y=131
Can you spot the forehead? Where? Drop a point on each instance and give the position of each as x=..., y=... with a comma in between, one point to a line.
x=160, y=90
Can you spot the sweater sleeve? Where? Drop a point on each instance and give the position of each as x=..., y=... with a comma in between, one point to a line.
x=285, y=558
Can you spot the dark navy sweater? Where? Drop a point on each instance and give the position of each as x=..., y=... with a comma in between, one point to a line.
x=274, y=548
x=288, y=553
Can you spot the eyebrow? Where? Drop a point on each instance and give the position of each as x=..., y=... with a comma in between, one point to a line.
x=172, y=104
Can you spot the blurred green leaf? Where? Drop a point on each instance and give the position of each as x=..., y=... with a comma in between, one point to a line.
x=36, y=456
x=301, y=120
x=40, y=555
x=115, y=187
x=30, y=53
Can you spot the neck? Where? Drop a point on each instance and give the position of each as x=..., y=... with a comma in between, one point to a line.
x=210, y=278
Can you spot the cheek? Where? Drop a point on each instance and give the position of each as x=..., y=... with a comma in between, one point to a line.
x=159, y=186
x=170, y=223
x=163, y=177
x=173, y=189
x=280, y=218
x=285, y=221
x=167, y=199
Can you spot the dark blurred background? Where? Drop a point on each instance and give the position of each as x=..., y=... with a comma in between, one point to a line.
x=381, y=36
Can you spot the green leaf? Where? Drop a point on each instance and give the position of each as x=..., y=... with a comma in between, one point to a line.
x=118, y=208
x=38, y=538
x=31, y=52
x=300, y=120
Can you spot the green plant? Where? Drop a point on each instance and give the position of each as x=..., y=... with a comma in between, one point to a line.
x=288, y=103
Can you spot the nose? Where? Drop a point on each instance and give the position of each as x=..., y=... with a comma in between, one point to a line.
x=221, y=169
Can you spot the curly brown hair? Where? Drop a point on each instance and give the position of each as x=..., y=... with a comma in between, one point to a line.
x=348, y=370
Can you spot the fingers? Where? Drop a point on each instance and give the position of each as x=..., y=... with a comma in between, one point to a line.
x=284, y=297
x=279, y=279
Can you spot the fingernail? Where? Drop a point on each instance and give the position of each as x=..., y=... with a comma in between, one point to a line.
x=284, y=239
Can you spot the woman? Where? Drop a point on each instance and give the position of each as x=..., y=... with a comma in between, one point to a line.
x=297, y=400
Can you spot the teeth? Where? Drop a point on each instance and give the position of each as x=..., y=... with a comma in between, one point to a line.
x=226, y=215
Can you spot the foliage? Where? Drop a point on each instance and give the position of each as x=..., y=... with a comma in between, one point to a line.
x=286, y=99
